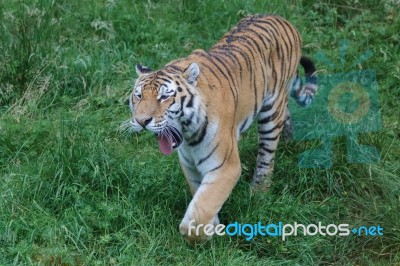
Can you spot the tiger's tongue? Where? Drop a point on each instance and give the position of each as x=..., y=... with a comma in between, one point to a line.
x=165, y=145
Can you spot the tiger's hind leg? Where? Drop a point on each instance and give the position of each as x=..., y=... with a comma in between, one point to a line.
x=270, y=122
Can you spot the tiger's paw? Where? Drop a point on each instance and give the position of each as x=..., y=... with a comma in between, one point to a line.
x=196, y=233
x=261, y=184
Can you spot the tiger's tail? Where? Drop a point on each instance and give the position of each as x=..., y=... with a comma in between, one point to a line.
x=304, y=93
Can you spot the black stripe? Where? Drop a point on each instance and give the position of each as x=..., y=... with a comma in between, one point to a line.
x=175, y=67
x=243, y=125
x=203, y=132
x=208, y=156
x=223, y=162
x=268, y=138
x=217, y=167
x=190, y=102
x=262, y=146
x=266, y=108
x=268, y=118
x=262, y=164
x=182, y=101
x=264, y=132
x=188, y=122
x=164, y=79
x=173, y=102
x=261, y=153
x=266, y=30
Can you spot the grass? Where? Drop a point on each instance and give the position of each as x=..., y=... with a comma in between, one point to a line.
x=75, y=191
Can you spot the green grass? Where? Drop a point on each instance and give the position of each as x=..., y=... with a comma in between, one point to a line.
x=75, y=191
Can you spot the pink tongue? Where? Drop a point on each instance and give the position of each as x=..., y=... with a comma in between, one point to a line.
x=165, y=145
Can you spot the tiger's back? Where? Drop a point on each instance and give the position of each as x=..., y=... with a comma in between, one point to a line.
x=250, y=64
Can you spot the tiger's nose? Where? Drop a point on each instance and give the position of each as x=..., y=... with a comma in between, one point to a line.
x=144, y=122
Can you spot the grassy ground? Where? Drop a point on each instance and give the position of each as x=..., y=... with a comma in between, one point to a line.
x=75, y=191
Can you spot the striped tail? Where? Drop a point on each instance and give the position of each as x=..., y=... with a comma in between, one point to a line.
x=304, y=94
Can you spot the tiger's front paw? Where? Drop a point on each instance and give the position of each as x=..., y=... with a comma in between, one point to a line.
x=195, y=232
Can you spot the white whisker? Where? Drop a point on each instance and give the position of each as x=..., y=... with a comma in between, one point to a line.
x=126, y=128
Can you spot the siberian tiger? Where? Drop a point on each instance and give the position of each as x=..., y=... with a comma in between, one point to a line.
x=199, y=105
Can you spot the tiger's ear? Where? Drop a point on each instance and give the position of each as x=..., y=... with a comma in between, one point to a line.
x=192, y=73
x=140, y=70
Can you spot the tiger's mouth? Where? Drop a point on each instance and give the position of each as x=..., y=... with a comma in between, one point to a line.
x=169, y=139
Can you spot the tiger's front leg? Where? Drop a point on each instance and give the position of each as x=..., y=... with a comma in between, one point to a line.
x=210, y=195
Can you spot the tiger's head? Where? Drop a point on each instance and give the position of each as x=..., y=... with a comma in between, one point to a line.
x=160, y=102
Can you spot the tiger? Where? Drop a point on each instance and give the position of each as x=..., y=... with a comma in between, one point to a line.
x=199, y=105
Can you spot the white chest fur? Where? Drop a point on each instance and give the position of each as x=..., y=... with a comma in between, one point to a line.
x=201, y=157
